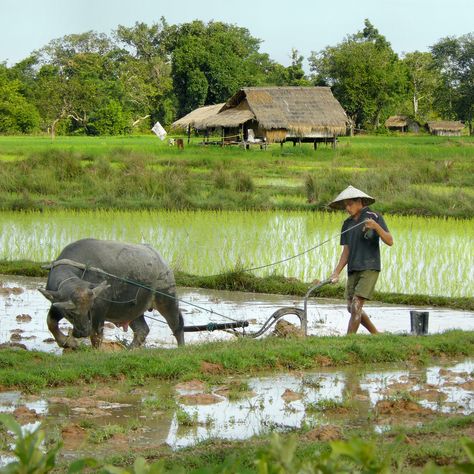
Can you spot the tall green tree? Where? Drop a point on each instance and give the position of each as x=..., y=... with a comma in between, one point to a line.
x=146, y=73
x=17, y=115
x=364, y=73
x=296, y=74
x=210, y=62
x=454, y=58
x=423, y=80
x=77, y=76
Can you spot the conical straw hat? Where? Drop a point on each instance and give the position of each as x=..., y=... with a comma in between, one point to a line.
x=351, y=193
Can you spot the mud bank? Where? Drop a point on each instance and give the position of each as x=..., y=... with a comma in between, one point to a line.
x=101, y=420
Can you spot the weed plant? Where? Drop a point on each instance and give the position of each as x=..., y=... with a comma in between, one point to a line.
x=274, y=454
x=408, y=175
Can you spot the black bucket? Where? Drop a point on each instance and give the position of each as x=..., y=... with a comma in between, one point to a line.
x=419, y=322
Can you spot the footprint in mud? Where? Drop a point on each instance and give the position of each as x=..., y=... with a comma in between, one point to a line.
x=431, y=395
x=25, y=415
x=291, y=396
x=200, y=399
x=73, y=436
x=23, y=318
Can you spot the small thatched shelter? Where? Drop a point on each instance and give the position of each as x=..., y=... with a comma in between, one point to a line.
x=277, y=114
x=274, y=114
x=445, y=128
x=197, y=118
x=402, y=123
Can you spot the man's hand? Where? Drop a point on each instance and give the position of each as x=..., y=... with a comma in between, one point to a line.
x=334, y=278
x=383, y=234
x=370, y=224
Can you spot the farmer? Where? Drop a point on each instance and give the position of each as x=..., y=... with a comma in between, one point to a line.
x=360, y=253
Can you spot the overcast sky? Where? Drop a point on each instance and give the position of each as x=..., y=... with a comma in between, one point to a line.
x=308, y=25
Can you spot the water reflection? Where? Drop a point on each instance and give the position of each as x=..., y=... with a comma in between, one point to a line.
x=325, y=317
x=280, y=402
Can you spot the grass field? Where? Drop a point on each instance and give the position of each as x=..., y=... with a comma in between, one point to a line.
x=408, y=175
x=32, y=371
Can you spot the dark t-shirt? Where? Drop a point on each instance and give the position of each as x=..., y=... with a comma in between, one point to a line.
x=364, y=250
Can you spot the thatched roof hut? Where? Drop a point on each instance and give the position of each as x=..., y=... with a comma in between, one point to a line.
x=402, y=123
x=197, y=118
x=274, y=114
x=445, y=128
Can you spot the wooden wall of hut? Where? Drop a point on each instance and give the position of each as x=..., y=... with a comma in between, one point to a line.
x=446, y=133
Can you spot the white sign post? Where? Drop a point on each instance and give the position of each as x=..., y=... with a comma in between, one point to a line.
x=159, y=131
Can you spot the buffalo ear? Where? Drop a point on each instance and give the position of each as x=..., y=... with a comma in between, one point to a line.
x=49, y=294
x=99, y=289
x=65, y=305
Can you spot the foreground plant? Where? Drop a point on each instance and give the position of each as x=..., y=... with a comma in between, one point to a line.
x=278, y=457
x=29, y=451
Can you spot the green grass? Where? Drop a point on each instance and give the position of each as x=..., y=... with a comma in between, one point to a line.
x=404, y=173
x=32, y=371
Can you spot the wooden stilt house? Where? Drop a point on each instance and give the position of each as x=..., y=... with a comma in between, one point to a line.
x=279, y=114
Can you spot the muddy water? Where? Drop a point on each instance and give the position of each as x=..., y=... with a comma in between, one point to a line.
x=23, y=315
x=326, y=402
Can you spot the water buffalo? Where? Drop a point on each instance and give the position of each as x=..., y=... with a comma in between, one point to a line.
x=82, y=289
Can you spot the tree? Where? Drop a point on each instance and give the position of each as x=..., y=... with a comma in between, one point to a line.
x=17, y=115
x=365, y=74
x=454, y=58
x=423, y=79
x=145, y=75
x=210, y=62
x=296, y=74
x=76, y=78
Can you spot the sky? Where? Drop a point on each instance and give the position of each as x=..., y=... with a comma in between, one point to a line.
x=307, y=25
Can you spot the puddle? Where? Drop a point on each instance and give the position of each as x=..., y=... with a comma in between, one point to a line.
x=23, y=313
x=99, y=421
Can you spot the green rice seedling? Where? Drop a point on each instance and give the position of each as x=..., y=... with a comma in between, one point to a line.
x=185, y=419
x=430, y=255
x=99, y=434
x=327, y=404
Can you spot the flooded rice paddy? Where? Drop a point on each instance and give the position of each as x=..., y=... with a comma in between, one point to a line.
x=99, y=420
x=23, y=313
x=431, y=256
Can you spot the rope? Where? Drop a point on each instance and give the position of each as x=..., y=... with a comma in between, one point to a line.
x=141, y=285
x=134, y=283
x=293, y=256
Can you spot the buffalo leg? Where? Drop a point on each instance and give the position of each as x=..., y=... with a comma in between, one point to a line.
x=54, y=316
x=97, y=335
x=140, y=331
x=168, y=308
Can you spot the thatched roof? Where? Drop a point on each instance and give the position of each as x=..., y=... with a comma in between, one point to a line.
x=232, y=117
x=445, y=125
x=300, y=110
x=197, y=117
x=397, y=121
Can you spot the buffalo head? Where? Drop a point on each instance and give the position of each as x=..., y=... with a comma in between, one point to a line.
x=75, y=304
